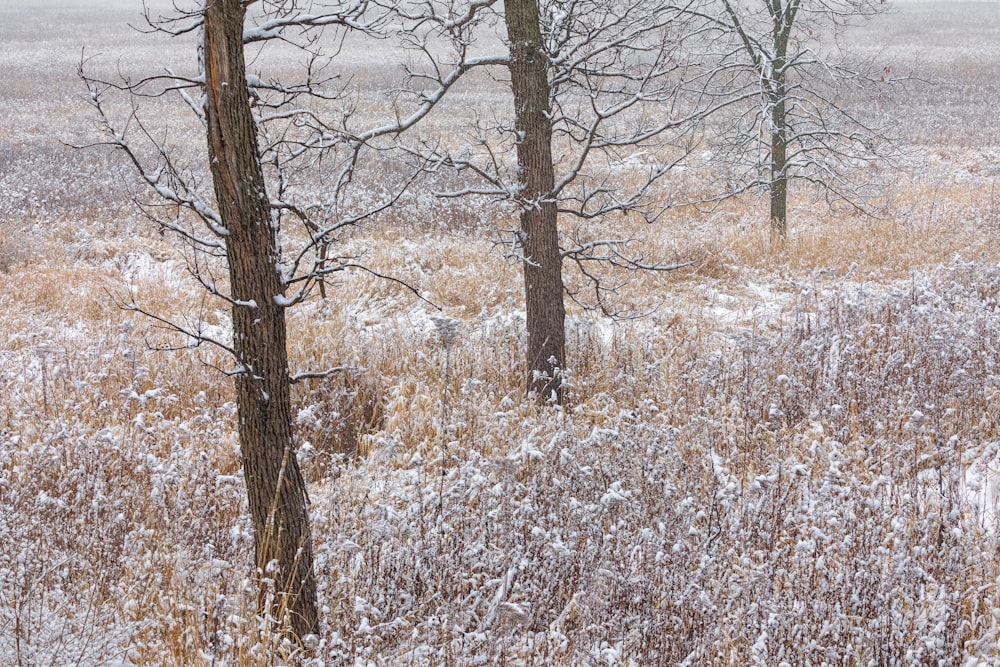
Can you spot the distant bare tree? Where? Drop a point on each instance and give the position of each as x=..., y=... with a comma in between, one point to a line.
x=588, y=80
x=263, y=137
x=780, y=63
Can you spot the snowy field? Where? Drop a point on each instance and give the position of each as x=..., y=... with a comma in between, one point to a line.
x=792, y=460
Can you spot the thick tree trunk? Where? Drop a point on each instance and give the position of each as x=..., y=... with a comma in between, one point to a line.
x=275, y=487
x=543, y=284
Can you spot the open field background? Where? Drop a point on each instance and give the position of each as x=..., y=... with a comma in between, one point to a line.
x=791, y=461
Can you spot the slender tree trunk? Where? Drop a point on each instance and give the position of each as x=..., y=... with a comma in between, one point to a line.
x=779, y=163
x=275, y=487
x=782, y=19
x=543, y=284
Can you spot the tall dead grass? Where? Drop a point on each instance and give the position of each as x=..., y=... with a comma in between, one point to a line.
x=730, y=481
x=790, y=460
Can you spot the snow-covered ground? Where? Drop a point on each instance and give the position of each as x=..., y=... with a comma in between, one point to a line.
x=790, y=460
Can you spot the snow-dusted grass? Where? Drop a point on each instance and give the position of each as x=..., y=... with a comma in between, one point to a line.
x=806, y=494
x=791, y=460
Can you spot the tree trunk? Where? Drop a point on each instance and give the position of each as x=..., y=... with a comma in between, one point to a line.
x=275, y=487
x=543, y=284
x=782, y=19
x=779, y=176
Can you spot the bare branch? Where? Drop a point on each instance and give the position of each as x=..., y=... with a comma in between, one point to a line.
x=398, y=281
x=319, y=375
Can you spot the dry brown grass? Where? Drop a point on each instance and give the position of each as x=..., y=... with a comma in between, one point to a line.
x=791, y=458
x=724, y=425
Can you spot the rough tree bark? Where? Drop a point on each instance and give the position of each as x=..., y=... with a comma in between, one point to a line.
x=275, y=487
x=539, y=233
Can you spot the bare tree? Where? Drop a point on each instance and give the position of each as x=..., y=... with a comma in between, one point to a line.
x=588, y=81
x=780, y=63
x=265, y=136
